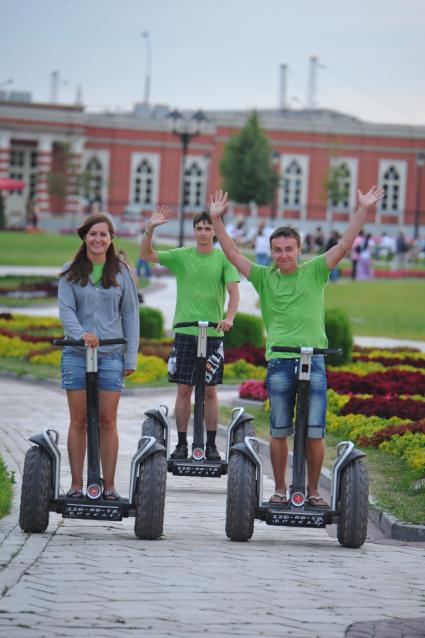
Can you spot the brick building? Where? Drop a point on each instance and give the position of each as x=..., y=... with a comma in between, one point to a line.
x=132, y=161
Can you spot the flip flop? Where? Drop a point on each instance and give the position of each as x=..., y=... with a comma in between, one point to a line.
x=111, y=495
x=75, y=493
x=317, y=501
x=278, y=498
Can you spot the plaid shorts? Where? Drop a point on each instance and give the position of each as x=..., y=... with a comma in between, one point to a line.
x=181, y=364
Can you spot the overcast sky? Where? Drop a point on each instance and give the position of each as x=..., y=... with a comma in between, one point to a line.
x=220, y=54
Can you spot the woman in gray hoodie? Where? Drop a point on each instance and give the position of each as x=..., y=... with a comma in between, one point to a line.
x=97, y=300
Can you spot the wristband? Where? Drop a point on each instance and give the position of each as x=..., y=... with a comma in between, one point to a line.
x=147, y=233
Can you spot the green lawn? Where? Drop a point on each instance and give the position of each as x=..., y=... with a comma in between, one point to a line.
x=393, y=308
x=6, y=489
x=43, y=249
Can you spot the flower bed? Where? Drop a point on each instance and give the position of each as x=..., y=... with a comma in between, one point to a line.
x=377, y=401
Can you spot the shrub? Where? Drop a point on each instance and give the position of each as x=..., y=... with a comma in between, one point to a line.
x=338, y=331
x=385, y=407
x=246, y=329
x=151, y=323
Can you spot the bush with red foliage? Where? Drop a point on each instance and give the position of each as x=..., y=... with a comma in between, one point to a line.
x=386, y=407
x=383, y=383
x=396, y=361
x=251, y=354
x=253, y=389
x=385, y=434
x=27, y=337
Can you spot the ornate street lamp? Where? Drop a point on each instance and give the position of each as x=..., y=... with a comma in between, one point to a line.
x=185, y=128
x=420, y=161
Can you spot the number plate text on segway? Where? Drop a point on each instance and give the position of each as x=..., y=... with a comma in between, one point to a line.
x=192, y=468
x=102, y=512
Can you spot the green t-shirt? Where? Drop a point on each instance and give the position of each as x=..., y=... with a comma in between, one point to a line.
x=201, y=285
x=293, y=306
x=96, y=273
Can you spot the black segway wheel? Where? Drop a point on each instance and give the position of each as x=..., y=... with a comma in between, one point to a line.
x=36, y=491
x=243, y=430
x=241, y=498
x=150, y=497
x=353, y=505
x=153, y=427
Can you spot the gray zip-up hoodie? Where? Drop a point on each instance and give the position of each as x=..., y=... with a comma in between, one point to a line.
x=108, y=312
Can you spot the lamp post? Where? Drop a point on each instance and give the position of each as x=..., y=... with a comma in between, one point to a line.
x=420, y=161
x=185, y=128
x=145, y=36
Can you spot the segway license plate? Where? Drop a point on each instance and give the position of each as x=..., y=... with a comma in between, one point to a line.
x=193, y=468
x=102, y=512
x=296, y=519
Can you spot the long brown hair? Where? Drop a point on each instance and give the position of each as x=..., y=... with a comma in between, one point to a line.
x=81, y=266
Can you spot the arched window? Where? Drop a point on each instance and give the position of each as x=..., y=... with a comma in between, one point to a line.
x=391, y=186
x=93, y=182
x=292, y=185
x=340, y=185
x=193, y=186
x=143, y=183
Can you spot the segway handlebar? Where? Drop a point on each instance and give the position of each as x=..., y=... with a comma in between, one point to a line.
x=80, y=342
x=191, y=324
x=297, y=350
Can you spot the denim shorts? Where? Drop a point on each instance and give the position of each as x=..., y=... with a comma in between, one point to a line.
x=281, y=382
x=110, y=368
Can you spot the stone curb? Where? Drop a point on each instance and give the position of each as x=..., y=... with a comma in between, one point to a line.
x=387, y=523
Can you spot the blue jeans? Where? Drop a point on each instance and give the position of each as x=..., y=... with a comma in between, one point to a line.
x=110, y=367
x=281, y=382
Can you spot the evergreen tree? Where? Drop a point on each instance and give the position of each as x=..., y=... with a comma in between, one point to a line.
x=246, y=166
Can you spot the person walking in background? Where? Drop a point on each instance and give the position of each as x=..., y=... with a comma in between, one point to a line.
x=292, y=307
x=203, y=274
x=97, y=300
x=262, y=245
x=402, y=251
x=355, y=252
x=364, y=268
x=332, y=241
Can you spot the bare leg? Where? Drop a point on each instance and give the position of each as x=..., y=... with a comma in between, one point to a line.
x=108, y=404
x=211, y=407
x=77, y=435
x=183, y=407
x=315, y=455
x=279, y=459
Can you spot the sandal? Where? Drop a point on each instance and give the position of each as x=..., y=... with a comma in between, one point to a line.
x=317, y=501
x=111, y=495
x=75, y=493
x=278, y=498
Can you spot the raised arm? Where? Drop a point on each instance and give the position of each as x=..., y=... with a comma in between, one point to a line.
x=368, y=200
x=158, y=218
x=218, y=205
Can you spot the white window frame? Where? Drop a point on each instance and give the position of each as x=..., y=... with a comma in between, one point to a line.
x=203, y=163
x=103, y=157
x=154, y=161
x=352, y=164
x=401, y=168
x=304, y=163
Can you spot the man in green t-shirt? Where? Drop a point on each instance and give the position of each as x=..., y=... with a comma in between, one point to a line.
x=293, y=310
x=203, y=274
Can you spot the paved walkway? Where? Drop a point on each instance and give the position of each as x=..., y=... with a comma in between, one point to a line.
x=96, y=579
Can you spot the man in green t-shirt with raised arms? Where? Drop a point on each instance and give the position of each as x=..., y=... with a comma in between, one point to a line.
x=202, y=274
x=293, y=310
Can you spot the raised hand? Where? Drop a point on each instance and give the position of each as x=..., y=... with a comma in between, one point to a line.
x=371, y=198
x=159, y=217
x=218, y=203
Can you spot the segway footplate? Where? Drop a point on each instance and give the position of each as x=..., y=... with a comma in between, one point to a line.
x=196, y=468
x=93, y=511
x=296, y=518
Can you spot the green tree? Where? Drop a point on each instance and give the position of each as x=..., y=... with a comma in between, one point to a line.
x=337, y=185
x=246, y=166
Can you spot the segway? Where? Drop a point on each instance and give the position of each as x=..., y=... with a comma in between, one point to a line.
x=157, y=424
x=350, y=486
x=41, y=476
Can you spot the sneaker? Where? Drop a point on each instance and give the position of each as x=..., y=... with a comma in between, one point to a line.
x=180, y=453
x=212, y=454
